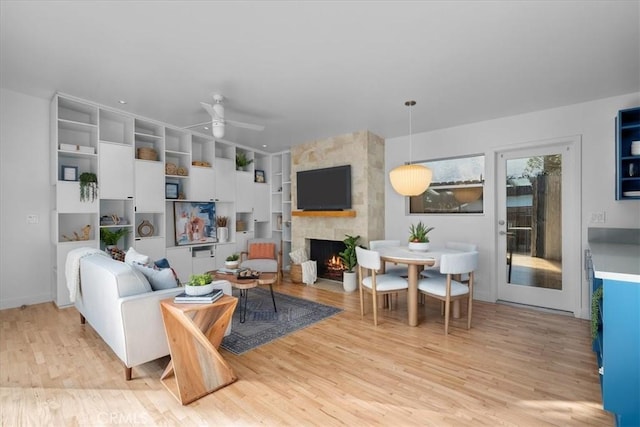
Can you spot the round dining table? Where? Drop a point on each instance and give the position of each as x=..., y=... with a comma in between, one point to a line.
x=415, y=261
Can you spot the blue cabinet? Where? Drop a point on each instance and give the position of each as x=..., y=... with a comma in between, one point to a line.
x=621, y=351
x=628, y=160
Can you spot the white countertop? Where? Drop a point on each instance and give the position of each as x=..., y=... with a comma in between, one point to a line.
x=615, y=261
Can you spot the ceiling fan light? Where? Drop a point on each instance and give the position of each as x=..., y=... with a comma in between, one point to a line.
x=218, y=130
x=410, y=180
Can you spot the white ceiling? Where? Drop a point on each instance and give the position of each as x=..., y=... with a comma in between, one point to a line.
x=309, y=70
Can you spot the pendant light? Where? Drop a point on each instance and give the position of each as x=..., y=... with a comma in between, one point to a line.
x=410, y=179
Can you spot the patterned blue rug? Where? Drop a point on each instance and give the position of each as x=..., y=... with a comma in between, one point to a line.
x=263, y=325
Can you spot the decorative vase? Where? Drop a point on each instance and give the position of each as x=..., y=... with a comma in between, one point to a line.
x=419, y=246
x=349, y=282
x=223, y=234
x=198, y=290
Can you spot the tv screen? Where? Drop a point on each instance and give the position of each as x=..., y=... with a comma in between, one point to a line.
x=324, y=189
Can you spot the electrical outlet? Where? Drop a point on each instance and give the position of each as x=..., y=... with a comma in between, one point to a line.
x=598, y=217
x=33, y=219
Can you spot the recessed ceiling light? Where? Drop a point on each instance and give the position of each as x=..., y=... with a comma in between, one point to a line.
x=122, y=101
x=264, y=145
x=206, y=128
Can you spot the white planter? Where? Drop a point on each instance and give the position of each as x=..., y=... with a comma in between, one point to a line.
x=349, y=282
x=198, y=290
x=231, y=264
x=419, y=246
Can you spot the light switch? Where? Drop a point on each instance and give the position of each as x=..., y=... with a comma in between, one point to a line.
x=33, y=219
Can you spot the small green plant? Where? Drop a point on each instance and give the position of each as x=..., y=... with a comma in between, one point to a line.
x=242, y=160
x=110, y=236
x=418, y=233
x=88, y=187
x=199, y=279
x=348, y=256
x=595, y=312
x=234, y=257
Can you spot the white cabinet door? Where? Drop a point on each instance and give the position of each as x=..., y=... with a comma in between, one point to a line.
x=222, y=252
x=180, y=260
x=241, y=240
x=116, y=171
x=154, y=247
x=261, y=206
x=225, y=179
x=202, y=184
x=244, y=191
x=149, y=186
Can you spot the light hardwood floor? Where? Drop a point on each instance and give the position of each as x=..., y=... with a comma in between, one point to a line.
x=515, y=367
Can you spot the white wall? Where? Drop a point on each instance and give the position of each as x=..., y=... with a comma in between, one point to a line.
x=594, y=121
x=25, y=249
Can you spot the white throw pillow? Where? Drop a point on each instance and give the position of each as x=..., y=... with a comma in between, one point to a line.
x=159, y=278
x=133, y=256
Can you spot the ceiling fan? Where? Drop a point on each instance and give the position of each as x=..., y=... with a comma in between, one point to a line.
x=218, y=122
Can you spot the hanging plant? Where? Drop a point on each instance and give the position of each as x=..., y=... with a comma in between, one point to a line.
x=88, y=187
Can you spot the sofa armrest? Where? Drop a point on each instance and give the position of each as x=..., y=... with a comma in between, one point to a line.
x=144, y=335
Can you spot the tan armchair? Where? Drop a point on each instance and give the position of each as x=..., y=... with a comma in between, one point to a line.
x=263, y=255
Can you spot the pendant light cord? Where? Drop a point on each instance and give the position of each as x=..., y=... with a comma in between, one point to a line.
x=410, y=104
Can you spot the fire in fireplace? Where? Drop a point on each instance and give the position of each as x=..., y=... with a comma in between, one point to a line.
x=326, y=254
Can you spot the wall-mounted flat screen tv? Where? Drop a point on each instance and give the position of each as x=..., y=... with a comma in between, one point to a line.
x=324, y=189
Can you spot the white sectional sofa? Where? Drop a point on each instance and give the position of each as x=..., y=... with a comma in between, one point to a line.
x=118, y=302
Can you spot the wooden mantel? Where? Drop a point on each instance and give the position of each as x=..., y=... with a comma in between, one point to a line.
x=325, y=213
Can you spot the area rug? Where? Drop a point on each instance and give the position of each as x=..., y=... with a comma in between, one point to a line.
x=263, y=325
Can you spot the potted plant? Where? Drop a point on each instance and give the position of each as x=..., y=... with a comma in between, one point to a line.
x=199, y=284
x=223, y=230
x=349, y=260
x=111, y=236
x=242, y=161
x=232, y=261
x=88, y=187
x=418, y=237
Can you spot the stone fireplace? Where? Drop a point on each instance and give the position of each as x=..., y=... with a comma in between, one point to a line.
x=364, y=151
x=326, y=254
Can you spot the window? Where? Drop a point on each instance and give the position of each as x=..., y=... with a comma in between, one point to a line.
x=457, y=187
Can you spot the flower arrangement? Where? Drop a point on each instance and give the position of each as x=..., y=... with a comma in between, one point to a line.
x=419, y=233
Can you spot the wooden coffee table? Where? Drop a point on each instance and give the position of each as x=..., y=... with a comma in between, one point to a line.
x=245, y=284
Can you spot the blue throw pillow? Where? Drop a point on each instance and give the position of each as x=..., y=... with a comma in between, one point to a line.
x=162, y=263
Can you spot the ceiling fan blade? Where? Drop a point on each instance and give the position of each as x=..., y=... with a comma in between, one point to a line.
x=198, y=125
x=245, y=125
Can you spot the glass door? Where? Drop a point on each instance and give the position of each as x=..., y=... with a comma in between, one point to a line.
x=536, y=227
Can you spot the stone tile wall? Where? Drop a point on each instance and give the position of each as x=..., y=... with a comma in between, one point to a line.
x=364, y=151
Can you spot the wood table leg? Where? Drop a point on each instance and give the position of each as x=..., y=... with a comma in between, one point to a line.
x=412, y=295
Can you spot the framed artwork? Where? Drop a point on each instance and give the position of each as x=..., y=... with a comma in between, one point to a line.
x=171, y=190
x=194, y=222
x=259, y=176
x=69, y=173
x=457, y=187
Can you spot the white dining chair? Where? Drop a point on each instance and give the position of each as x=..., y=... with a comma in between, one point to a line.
x=445, y=288
x=376, y=284
x=390, y=268
x=456, y=246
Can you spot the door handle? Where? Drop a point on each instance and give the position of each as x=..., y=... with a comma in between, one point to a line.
x=502, y=233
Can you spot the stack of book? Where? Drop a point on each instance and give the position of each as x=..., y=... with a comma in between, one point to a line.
x=183, y=298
